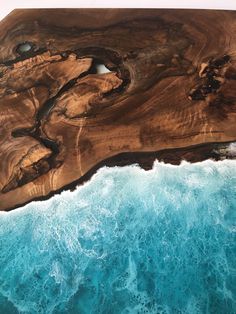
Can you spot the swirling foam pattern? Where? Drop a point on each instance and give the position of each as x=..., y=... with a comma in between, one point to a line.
x=128, y=241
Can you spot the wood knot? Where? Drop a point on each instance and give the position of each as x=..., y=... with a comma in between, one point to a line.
x=212, y=76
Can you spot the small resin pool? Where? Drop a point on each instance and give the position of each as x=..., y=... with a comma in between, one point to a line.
x=128, y=241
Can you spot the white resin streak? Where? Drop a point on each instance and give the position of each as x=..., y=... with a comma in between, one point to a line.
x=157, y=167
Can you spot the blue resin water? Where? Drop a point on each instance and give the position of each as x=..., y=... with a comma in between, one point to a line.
x=128, y=241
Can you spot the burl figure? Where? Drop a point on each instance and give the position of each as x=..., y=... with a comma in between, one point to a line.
x=84, y=88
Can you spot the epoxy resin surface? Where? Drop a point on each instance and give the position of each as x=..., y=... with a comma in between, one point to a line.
x=128, y=241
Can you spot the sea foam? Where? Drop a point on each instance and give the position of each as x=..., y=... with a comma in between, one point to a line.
x=127, y=241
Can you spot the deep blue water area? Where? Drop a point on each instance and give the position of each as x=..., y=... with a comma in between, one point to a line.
x=128, y=241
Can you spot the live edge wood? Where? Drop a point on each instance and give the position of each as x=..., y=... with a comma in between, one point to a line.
x=170, y=93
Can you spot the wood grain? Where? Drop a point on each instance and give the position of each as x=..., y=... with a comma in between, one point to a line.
x=170, y=93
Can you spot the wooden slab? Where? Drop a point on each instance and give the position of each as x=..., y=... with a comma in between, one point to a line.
x=84, y=88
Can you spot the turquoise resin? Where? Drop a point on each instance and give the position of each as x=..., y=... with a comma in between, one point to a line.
x=128, y=241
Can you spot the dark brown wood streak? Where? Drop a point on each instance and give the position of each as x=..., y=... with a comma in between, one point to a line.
x=169, y=94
